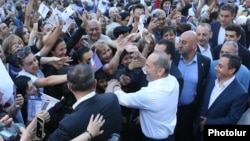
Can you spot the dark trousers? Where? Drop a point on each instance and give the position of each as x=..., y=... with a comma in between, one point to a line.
x=184, y=126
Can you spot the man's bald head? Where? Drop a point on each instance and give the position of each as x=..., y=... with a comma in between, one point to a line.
x=188, y=43
x=191, y=35
x=93, y=21
x=93, y=29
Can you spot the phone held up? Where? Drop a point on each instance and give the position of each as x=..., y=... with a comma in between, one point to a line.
x=40, y=25
x=40, y=128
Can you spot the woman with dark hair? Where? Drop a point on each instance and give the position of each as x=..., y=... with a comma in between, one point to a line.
x=25, y=87
x=59, y=49
x=24, y=33
x=166, y=6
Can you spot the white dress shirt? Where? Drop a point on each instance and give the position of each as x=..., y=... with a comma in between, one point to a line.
x=218, y=90
x=206, y=52
x=157, y=104
x=221, y=36
x=88, y=96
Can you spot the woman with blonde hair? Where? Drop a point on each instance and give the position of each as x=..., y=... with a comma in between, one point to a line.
x=11, y=45
x=108, y=57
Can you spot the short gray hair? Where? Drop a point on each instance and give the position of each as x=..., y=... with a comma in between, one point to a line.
x=157, y=12
x=232, y=43
x=162, y=61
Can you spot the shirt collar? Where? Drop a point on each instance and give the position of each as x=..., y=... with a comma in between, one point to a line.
x=84, y=98
x=194, y=60
x=202, y=49
x=226, y=83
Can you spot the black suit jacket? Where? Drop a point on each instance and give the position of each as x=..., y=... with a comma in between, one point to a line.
x=177, y=74
x=215, y=27
x=203, y=69
x=243, y=52
x=76, y=123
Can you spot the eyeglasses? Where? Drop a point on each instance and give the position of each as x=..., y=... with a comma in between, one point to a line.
x=23, y=52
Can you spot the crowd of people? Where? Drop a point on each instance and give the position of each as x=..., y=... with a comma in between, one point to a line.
x=146, y=70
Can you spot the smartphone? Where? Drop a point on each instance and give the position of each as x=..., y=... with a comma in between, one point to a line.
x=45, y=105
x=154, y=17
x=40, y=128
x=40, y=25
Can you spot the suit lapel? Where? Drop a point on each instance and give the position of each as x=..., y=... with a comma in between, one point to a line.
x=224, y=94
x=208, y=92
x=201, y=66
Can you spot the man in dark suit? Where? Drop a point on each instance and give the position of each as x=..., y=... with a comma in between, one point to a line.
x=226, y=16
x=225, y=99
x=82, y=84
x=204, y=33
x=168, y=47
x=233, y=34
x=194, y=68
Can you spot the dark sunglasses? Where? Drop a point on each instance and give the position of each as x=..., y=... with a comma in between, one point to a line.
x=23, y=52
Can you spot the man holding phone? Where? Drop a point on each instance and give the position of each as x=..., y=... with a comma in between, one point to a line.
x=157, y=23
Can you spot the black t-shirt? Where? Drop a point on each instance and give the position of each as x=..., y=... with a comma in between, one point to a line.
x=56, y=90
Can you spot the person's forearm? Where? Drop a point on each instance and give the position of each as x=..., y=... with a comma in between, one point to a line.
x=49, y=40
x=51, y=80
x=57, y=79
x=28, y=13
x=46, y=60
x=135, y=27
x=130, y=22
x=39, y=44
x=146, y=50
x=76, y=36
x=182, y=5
x=198, y=11
x=32, y=38
x=112, y=66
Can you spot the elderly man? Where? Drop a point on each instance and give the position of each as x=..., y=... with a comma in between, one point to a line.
x=87, y=34
x=94, y=33
x=157, y=102
x=158, y=17
x=204, y=33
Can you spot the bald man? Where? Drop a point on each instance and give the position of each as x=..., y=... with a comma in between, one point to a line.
x=194, y=68
x=94, y=33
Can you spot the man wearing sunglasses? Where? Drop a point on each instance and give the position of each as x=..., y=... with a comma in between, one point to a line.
x=28, y=62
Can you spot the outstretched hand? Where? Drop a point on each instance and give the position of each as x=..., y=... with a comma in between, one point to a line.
x=62, y=60
x=95, y=124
